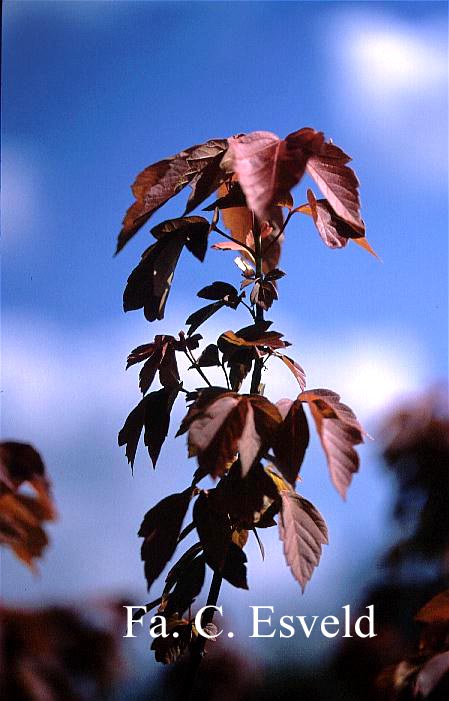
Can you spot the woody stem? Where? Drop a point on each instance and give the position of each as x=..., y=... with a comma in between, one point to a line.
x=258, y=363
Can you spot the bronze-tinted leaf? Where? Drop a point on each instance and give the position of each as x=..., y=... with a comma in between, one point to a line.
x=303, y=532
x=296, y=369
x=263, y=294
x=267, y=167
x=292, y=440
x=214, y=528
x=159, y=355
x=164, y=179
x=206, y=182
x=22, y=516
x=339, y=431
x=334, y=231
x=338, y=183
x=436, y=610
x=263, y=339
x=160, y=529
x=227, y=425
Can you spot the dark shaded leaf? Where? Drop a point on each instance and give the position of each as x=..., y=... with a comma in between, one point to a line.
x=159, y=355
x=303, y=532
x=218, y=291
x=292, y=439
x=247, y=498
x=180, y=634
x=339, y=431
x=194, y=231
x=188, y=586
x=160, y=529
x=158, y=406
x=201, y=315
x=149, y=283
x=153, y=413
x=209, y=357
x=214, y=528
x=130, y=433
x=234, y=570
x=234, y=197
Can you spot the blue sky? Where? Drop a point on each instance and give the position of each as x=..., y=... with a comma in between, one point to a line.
x=92, y=93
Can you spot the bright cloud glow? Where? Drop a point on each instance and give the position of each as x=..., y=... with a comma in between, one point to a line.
x=391, y=59
x=43, y=367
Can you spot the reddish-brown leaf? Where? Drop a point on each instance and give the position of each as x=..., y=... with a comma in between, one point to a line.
x=164, y=179
x=160, y=529
x=22, y=516
x=436, y=610
x=296, y=369
x=226, y=425
x=267, y=167
x=338, y=183
x=339, y=431
x=159, y=355
x=334, y=231
x=292, y=439
x=303, y=532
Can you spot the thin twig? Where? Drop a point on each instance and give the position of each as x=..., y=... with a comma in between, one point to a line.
x=194, y=362
x=280, y=232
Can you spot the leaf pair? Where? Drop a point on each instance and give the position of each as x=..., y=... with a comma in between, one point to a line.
x=221, y=424
x=267, y=168
x=160, y=355
x=149, y=284
x=153, y=414
x=198, y=165
x=223, y=295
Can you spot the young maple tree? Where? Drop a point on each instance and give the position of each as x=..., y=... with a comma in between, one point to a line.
x=253, y=447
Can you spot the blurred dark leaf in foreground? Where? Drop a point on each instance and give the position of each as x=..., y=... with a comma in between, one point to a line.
x=24, y=513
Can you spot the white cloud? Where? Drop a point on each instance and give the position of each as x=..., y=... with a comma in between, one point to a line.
x=64, y=378
x=21, y=190
x=390, y=82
